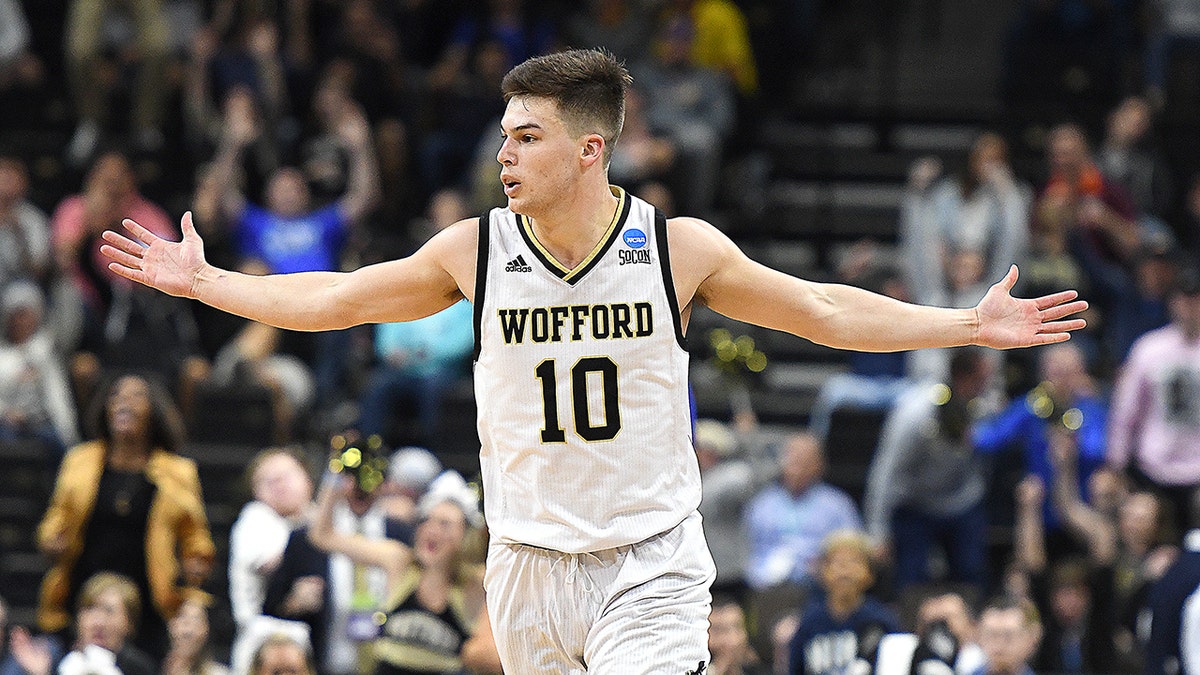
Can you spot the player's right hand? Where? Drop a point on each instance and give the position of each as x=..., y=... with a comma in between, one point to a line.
x=172, y=267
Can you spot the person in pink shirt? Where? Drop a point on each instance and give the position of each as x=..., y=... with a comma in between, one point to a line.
x=1154, y=421
x=109, y=194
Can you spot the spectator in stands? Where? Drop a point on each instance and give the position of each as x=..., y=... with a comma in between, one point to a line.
x=24, y=228
x=787, y=521
x=18, y=64
x=1073, y=594
x=85, y=44
x=960, y=234
x=841, y=628
x=1130, y=158
x=950, y=610
x=109, y=605
x=190, y=652
x=1189, y=226
x=283, y=493
x=430, y=584
x=1078, y=196
x=1065, y=398
x=8, y=665
x=692, y=105
x=1132, y=297
x=720, y=40
x=1133, y=547
x=1171, y=646
x=522, y=32
x=944, y=639
x=35, y=397
x=326, y=590
x=728, y=643
x=288, y=236
x=282, y=655
x=1155, y=424
x=623, y=27
x=418, y=361
x=1009, y=633
x=729, y=482
x=645, y=158
x=410, y=471
x=876, y=381
x=926, y=486
x=127, y=503
x=1174, y=26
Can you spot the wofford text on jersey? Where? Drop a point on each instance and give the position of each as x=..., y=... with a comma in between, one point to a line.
x=614, y=321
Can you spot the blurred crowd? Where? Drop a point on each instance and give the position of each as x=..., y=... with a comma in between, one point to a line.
x=1021, y=510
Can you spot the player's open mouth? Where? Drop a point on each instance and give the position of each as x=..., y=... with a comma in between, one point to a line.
x=510, y=186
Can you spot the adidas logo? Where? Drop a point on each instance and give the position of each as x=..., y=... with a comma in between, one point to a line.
x=518, y=264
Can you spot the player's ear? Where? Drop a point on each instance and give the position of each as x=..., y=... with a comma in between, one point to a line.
x=593, y=149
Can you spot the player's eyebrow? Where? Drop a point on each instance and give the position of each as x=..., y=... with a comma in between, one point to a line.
x=522, y=127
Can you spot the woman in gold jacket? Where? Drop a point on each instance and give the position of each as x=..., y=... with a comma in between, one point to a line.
x=127, y=503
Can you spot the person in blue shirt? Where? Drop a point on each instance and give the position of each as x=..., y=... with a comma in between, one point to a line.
x=1067, y=397
x=417, y=361
x=842, y=626
x=286, y=234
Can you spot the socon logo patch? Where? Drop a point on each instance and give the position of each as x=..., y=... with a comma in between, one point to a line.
x=635, y=238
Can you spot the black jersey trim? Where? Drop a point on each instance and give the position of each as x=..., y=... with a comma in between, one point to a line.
x=664, y=263
x=481, y=270
x=525, y=227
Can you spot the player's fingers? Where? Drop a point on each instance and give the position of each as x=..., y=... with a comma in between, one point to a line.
x=188, y=227
x=1010, y=279
x=145, y=236
x=1063, y=326
x=1055, y=299
x=1049, y=338
x=122, y=243
x=1059, y=311
x=121, y=256
x=127, y=272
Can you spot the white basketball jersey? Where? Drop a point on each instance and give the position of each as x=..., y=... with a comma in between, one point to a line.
x=581, y=379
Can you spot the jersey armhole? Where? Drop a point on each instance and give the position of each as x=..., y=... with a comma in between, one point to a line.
x=481, y=259
x=664, y=263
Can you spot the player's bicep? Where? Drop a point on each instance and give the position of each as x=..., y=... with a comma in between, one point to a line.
x=749, y=291
x=422, y=284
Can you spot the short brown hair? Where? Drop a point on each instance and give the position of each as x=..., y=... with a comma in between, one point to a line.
x=587, y=85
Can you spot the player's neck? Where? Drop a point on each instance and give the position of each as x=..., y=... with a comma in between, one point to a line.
x=571, y=229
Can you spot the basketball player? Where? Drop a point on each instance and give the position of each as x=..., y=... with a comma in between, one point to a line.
x=582, y=294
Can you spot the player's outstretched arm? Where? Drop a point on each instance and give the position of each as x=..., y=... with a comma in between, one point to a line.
x=398, y=290
x=846, y=317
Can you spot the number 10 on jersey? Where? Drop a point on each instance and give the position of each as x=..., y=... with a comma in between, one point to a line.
x=600, y=366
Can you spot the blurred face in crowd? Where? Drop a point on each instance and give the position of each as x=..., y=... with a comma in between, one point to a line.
x=1063, y=367
x=129, y=407
x=846, y=572
x=189, y=626
x=287, y=193
x=105, y=621
x=282, y=483
x=802, y=463
x=22, y=324
x=990, y=150
x=952, y=609
x=13, y=181
x=1185, y=310
x=1006, y=639
x=727, y=631
x=439, y=537
x=1070, y=604
x=112, y=176
x=282, y=658
x=1138, y=519
x=1068, y=151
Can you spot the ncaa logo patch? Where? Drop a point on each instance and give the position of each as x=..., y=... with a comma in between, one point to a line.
x=635, y=238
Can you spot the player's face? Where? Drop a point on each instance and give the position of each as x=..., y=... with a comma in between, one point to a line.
x=539, y=156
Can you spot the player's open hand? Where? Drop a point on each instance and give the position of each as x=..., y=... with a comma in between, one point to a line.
x=170, y=266
x=1006, y=322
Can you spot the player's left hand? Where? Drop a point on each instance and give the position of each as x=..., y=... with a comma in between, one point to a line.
x=1006, y=322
